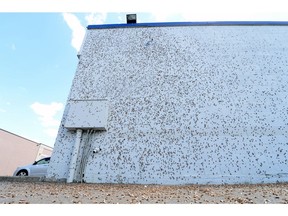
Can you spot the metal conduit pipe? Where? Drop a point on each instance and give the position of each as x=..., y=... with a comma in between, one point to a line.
x=87, y=149
x=74, y=156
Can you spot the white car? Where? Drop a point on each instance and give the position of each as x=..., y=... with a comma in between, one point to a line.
x=37, y=169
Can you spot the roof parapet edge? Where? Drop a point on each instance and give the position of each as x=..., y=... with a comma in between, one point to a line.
x=167, y=24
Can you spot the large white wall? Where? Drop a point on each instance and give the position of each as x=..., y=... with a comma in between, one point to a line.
x=187, y=104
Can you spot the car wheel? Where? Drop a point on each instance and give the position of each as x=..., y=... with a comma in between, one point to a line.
x=22, y=173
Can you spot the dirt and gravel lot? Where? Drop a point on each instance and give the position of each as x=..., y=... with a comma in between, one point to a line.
x=43, y=192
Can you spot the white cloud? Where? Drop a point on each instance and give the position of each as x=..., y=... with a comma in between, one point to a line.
x=96, y=18
x=78, y=31
x=222, y=10
x=121, y=19
x=46, y=114
x=2, y=110
x=51, y=132
x=204, y=9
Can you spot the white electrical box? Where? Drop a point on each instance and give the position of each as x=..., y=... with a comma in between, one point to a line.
x=87, y=114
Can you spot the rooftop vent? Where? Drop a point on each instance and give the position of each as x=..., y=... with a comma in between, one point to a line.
x=131, y=18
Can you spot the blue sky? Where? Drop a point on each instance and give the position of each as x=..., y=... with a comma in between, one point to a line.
x=39, y=45
x=37, y=66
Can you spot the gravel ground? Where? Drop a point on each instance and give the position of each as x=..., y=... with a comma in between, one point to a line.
x=81, y=193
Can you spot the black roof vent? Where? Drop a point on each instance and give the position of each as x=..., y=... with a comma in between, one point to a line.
x=131, y=18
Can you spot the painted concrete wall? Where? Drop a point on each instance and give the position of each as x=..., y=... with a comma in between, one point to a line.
x=18, y=151
x=190, y=104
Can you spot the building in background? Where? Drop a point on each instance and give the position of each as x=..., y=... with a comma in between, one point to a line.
x=177, y=103
x=18, y=151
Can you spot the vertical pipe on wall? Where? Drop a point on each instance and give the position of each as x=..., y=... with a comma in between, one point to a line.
x=74, y=156
x=87, y=149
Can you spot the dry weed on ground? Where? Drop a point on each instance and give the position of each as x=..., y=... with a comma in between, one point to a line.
x=83, y=193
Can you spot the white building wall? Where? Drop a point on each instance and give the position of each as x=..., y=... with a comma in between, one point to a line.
x=187, y=104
